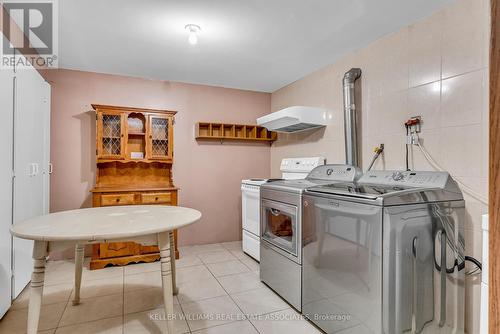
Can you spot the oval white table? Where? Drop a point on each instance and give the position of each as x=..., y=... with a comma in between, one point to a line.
x=147, y=225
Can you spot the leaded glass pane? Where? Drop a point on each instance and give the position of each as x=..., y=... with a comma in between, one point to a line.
x=159, y=132
x=111, y=134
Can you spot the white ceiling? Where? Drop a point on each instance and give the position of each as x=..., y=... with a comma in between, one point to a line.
x=257, y=45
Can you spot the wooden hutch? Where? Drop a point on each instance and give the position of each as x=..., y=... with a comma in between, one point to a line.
x=134, y=157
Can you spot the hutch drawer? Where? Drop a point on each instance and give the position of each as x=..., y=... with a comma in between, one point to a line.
x=117, y=199
x=156, y=198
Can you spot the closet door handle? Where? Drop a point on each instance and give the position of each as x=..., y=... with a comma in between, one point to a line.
x=32, y=169
x=51, y=168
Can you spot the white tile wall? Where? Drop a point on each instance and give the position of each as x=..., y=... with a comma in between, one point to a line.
x=461, y=99
x=463, y=37
x=436, y=68
x=424, y=42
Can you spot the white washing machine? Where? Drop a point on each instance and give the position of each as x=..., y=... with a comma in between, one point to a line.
x=388, y=250
x=291, y=169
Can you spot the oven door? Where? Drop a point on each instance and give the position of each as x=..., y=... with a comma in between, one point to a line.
x=250, y=208
x=280, y=227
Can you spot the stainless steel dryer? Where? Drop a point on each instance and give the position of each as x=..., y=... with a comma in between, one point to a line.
x=282, y=232
x=387, y=254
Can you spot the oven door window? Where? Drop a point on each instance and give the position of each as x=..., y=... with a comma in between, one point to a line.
x=280, y=225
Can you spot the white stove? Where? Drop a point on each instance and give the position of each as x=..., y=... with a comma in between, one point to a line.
x=291, y=169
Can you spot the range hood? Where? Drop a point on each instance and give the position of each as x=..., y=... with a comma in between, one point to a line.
x=294, y=119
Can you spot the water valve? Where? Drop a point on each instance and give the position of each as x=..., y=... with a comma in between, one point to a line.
x=414, y=123
x=412, y=126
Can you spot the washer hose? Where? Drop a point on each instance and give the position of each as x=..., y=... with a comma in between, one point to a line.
x=378, y=150
x=460, y=266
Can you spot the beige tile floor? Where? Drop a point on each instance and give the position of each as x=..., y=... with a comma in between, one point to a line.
x=218, y=285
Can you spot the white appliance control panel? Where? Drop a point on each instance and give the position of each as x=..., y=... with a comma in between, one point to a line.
x=406, y=178
x=342, y=173
x=300, y=165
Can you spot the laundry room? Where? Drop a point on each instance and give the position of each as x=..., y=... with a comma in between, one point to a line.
x=254, y=167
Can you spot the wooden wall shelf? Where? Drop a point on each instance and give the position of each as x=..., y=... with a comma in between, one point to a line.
x=234, y=132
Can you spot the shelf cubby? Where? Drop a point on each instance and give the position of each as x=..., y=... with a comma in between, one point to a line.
x=217, y=130
x=251, y=132
x=234, y=132
x=204, y=129
x=240, y=131
x=229, y=130
x=262, y=133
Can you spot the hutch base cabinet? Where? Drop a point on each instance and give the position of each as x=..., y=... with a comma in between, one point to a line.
x=134, y=149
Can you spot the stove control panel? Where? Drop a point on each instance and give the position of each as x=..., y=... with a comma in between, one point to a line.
x=300, y=165
x=341, y=173
x=406, y=178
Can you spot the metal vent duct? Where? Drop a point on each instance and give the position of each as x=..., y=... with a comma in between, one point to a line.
x=350, y=126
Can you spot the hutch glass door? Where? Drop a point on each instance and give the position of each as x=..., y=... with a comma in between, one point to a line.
x=111, y=135
x=159, y=137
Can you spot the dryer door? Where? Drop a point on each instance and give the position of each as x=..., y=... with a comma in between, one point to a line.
x=280, y=226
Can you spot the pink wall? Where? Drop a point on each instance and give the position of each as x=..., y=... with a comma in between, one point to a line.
x=209, y=174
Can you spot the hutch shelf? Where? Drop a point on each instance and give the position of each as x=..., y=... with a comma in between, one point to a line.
x=134, y=156
x=235, y=132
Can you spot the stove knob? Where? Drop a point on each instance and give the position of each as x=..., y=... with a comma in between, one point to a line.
x=397, y=176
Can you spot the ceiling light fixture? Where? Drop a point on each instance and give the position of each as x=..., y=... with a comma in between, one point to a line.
x=193, y=30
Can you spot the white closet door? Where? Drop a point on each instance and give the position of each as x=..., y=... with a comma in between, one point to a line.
x=47, y=167
x=28, y=165
x=6, y=173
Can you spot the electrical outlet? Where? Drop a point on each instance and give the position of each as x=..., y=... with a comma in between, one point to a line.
x=412, y=139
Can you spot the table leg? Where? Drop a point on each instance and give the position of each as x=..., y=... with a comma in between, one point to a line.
x=79, y=253
x=36, y=286
x=175, y=289
x=166, y=276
